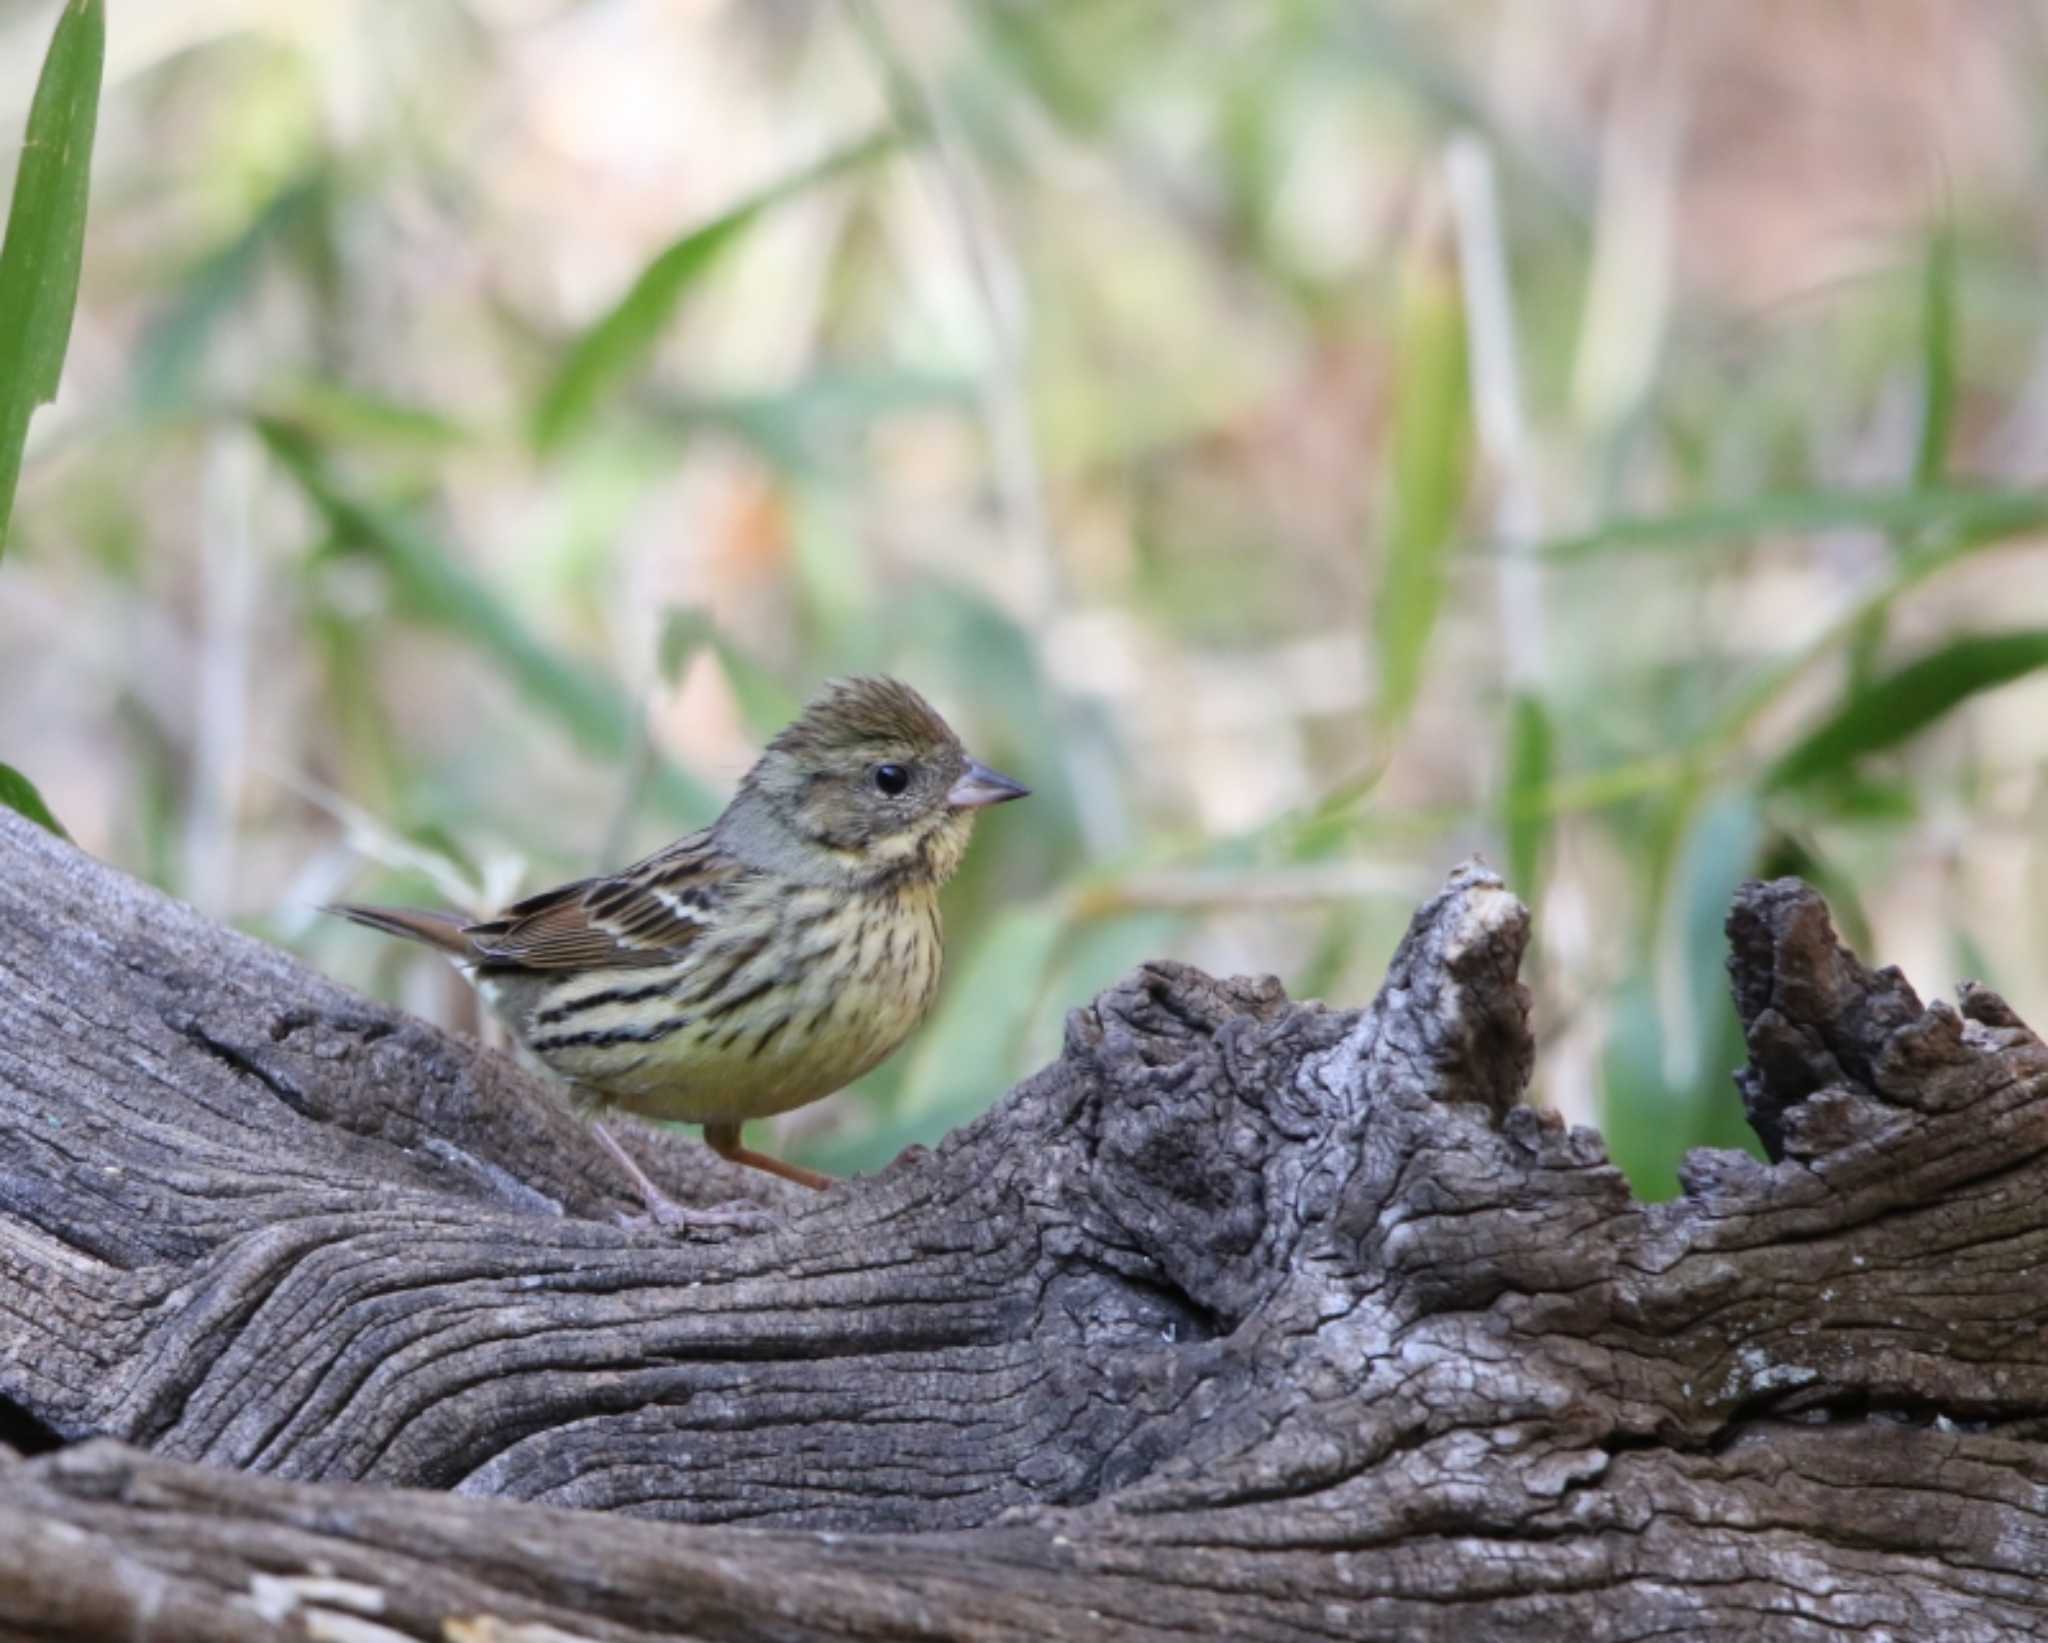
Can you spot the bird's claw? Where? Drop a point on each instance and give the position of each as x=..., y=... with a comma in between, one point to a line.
x=738, y=1218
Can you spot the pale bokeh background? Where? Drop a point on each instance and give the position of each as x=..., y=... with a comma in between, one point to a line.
x=1155, y=404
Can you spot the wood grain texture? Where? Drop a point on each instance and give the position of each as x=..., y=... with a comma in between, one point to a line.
x=1245, y=1318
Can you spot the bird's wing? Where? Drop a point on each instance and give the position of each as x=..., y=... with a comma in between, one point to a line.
x=646, y=915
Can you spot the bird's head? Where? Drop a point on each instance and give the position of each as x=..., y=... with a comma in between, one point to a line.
x=868, y=784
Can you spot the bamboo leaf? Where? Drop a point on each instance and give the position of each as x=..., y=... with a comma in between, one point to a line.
x=1937, y=359
x=1894, y=708
x=19, y=794
x=1718, y=852
x=1650, y=1124
x=1431, y=446
x=176, y=341
x=618, y=343
x=1528, y=819
x=45, y=243
x=445, y=593
x=1980, y=515
x=341, y=414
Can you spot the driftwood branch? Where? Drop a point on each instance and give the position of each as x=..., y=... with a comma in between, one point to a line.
x=1243, y=1319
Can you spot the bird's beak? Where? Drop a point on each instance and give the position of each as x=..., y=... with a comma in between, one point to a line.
x=982, y=786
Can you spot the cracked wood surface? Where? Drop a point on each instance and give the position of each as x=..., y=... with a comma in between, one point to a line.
x=1245, y=1318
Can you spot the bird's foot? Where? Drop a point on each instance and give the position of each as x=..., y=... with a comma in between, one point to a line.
x=739, y=1216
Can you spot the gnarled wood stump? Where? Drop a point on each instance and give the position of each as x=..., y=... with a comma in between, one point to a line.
x=1244, y=1319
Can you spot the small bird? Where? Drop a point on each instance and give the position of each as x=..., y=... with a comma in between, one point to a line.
x=757, y=965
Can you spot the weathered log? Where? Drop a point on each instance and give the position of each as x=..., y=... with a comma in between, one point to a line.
x=1243, y=1319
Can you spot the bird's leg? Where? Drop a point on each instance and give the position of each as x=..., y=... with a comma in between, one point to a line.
x=659, y=1204
x=665, y=1211
x=724, y=1139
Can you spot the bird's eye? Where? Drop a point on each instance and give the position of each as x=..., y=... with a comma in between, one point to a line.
x=891, y=779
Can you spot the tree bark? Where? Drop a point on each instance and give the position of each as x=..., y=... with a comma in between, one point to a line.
x=1244, y=1319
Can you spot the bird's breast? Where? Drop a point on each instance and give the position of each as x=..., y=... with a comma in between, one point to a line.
x=789, y=1001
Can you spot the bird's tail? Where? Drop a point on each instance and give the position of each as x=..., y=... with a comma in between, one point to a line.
x=435, y=928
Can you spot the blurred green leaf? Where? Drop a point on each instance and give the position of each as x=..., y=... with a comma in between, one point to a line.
x=685, y=630
x=1862, y=797
x=338, y=413
x=1635, y=1115
x=836, y=584
x=618, y=344
x=1972, y=962
x=766, y=703
x=1892, y=709
x=1720, y=850
x=1680, y=780
x=1432, y=437
x=1036, y=44
x=1937, y=359
x=448, y=595
x=1865, y=646
x=796, y=428
x=1414, y=56
x=432, y=836
x=369, y=762
x=1096, y=956
x=1248, y=154
x=1975, y=514
x=1675, y=1039
x=967, y=1056
x=45, y=242
x=153, y=769
x=1528, y=818
x=1649, y=1123
x=19, y=794
x=176, y=340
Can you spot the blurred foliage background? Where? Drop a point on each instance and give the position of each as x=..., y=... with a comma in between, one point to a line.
x=1309, y=441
